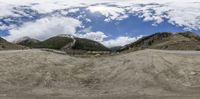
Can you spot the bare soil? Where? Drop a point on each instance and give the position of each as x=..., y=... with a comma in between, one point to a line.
x=146, y=74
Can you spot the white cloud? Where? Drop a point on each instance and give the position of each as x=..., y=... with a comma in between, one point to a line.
x=112, y=13
x=100, y=37
x=186, y=15
x=96, y=36
x=182, y=13
x=45, y=28
x=177, y=12
x=5, y=9
x=44, y=6
x=121, y=41
x=73, y=10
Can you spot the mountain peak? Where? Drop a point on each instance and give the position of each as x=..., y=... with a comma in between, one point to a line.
x=21, y=39
x=25, y=40
x=66, y=35
x=167, y=41
x=5, y=45
x=64, y=42
x=189, y=34
x=2, y=40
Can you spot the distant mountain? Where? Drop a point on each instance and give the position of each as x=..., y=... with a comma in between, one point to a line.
x=26, y=41
x=5, y=45
x=51, y=43
x=116, y=48
x=89, y=45
x=63, y=42
x=166, y=41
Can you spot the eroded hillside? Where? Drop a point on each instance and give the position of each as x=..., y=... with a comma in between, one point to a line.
x=166, y=41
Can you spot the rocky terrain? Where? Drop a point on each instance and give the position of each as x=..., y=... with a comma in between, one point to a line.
x=145, y=74
x=5, y=45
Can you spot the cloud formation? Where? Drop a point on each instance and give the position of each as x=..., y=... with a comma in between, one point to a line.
x=101, y=37
x=177, y=12
x=121, y=41
x=96, y=36
x=112, y=13
x=182, y=14
x=45, y=28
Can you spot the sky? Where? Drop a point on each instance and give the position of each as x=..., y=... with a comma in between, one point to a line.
x=110, y=22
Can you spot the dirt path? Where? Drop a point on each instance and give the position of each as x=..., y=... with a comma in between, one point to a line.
x=147, y=74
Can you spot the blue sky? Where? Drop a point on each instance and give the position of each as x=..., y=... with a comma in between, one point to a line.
x=132, y=26
x=3, y=33
x=112, y=23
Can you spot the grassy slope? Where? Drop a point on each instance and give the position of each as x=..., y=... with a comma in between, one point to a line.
x=168, y=41
x=90, y=45
x=59, y=42
x=5, y=45
x=53, y=43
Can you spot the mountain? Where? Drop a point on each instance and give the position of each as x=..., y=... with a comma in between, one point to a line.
x=89, y=45
x=63, y=42
x=53, y=43
x=5, y=45
x=26, y=41
x=116, y=48
x=166, y=41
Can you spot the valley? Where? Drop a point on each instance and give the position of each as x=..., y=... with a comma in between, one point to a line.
x=159, y=66
x=99, y=49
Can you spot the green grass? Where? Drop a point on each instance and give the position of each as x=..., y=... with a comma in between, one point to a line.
x=166, y=40
x=59, y=42
x=52, y=43
x=89, y=45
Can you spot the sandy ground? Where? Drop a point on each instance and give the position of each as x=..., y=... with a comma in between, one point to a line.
x=147, y=74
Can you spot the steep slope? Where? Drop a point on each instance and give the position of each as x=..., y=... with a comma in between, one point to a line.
x=54, y=43
x=26, y=41
x=167, y=41
x=89, y=45
x=64, y=42
x=191, y=35
x=116, y=48
x=5, y=45
x=146, y=74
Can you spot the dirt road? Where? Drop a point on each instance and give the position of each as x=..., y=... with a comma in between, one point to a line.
x=147, y=74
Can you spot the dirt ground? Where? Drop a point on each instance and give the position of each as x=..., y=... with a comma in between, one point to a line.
x=147, y=74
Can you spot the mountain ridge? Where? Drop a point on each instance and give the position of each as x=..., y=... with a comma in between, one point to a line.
x=160, y=40
x=5, y=45
x=65, y=42
x=166, y=41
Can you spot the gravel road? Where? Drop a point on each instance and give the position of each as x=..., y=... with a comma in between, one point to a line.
x=146, y=74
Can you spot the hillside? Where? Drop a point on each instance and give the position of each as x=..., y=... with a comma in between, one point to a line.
x=26, y=41
x=5, y=45
x=53, y=43
x=167, y=41
x=89, y=45
x=146, y=74
x=65, y=42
